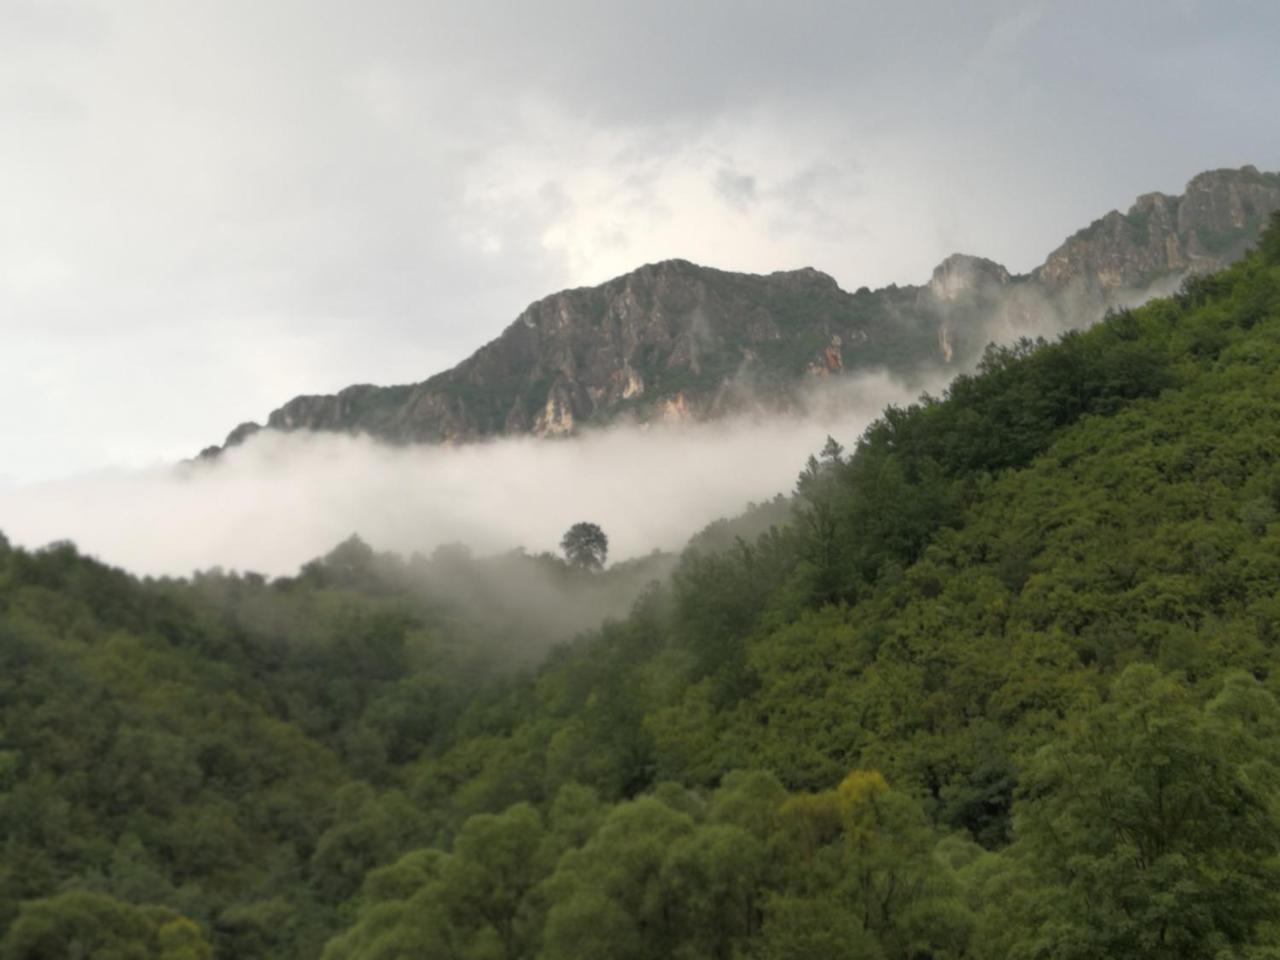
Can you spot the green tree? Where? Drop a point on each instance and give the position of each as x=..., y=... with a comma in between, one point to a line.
x=368, y=830
x=872, y=849
x=585, y=546
x=1152, y=829
x=819, y=513
x=608, y=898
x=796, y=927
x=402, y=913
x=79, y=925
x=497, y=861
x=713, y=881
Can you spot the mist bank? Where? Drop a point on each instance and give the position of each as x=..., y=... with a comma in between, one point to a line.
x=282, y=499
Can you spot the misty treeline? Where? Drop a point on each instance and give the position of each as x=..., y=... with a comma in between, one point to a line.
x=284, y=498
x=1000, y=681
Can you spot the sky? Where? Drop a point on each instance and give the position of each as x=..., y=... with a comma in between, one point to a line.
x=207, y=208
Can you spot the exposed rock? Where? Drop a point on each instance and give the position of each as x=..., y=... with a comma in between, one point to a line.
x=962, y=275
x=676, y=409
x=1210, y=225
x=945, y=344
x=830, y=359
x=557, y=414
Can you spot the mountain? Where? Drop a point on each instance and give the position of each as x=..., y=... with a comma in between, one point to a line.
x=1001, y=682
x=674, y=340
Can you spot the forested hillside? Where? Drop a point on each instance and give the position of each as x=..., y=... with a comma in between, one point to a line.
x=1002, y=683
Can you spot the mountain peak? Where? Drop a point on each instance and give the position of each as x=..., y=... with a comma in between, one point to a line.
x=962, y=273
x=1211, y=224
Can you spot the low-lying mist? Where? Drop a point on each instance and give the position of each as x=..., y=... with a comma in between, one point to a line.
x=280, y=500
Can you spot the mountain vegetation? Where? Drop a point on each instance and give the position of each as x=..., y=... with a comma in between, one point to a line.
x=999, y=681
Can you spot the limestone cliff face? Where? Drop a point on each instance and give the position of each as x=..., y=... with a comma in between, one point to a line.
x=961, y=275
x=676, y=341
x=962, y=281
x=1211, y=224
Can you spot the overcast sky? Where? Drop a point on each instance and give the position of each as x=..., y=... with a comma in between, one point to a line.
x=208, y=207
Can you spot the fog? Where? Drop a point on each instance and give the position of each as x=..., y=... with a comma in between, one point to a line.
x=280, y=500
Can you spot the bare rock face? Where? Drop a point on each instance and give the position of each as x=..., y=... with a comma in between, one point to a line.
x=1218, y=217
x=961, y=275
x=1227, y=202
x=962, y=287
x=676, y=341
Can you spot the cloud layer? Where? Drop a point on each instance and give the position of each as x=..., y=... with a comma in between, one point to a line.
x=210, y=208
x=282, y=499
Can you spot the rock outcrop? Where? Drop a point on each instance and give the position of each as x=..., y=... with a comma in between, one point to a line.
x=1211, y=224
x=676, y=341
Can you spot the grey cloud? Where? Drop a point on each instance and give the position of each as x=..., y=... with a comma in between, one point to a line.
x=394, y=181
x=738, y=190
x=52, y=22
x=806, y=196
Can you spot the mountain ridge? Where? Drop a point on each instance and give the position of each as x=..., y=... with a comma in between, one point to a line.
x=674, y=340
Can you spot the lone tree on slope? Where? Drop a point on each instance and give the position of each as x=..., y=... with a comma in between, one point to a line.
x=585, y=546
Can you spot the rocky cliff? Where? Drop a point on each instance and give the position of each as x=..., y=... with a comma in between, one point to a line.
x=1212, y=223
x=674, y=340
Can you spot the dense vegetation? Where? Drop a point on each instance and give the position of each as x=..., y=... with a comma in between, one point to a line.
x=1002, y=683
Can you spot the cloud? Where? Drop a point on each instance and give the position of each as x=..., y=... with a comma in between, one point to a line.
x=738, y=190
x=282, y=499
